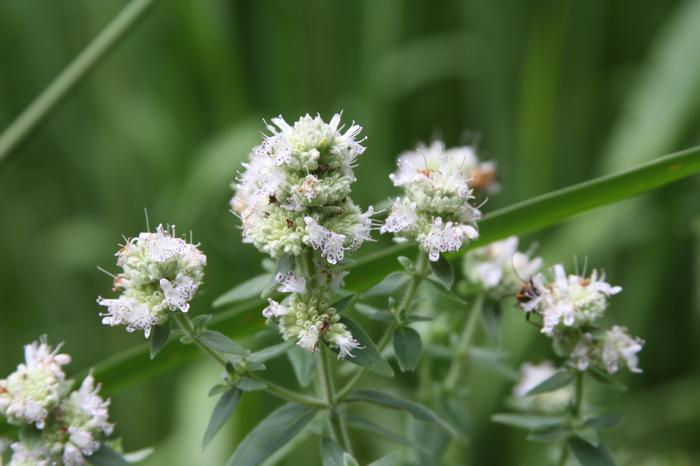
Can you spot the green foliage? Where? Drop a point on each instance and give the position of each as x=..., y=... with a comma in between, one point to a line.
x=159, y=338
x=244, y=291
x=407, y=346
x=559, y=380
x=222, y=412
x=367, y=355
x=106, y=456
x=589, y=455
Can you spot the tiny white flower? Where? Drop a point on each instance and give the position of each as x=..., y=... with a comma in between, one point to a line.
x=330, y=243
x=290, y=282
x=308, y=339
x=274, y=309
x=346, y=344
x=446, y=238
x=131, y=313
x=402, y=217
x=179, y=293
x=620, y=350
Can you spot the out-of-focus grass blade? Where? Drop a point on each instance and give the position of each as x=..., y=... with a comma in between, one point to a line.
x=528, y=216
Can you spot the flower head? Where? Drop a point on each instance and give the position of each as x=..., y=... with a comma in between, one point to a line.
x=436, y=210
x=160, y=273
x=294, y=191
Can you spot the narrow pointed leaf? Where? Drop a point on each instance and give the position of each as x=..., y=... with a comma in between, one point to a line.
x=367, y=355
x=343, y=303
x=389, y=285
x=374, y=313
x=246, y=290
x=278, y=428
x=443, y=271
x=105, y=456
x=528, y=422
x=408, y=347
x=220, y=342
x=588, y=455
x=159, y=338
x=390, y=401
x=331, y=452
x=558, y=380
x=222, y=412
x=392, y=459
x=271, y=352
x=250, y=385
x=604, y=422
x=304, y=365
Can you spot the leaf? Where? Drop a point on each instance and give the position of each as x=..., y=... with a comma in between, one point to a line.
x=220, y=342
x=218, y=388
x=389, y=285
x=373, y=313
x=588, y=434
x=304, y=365
x=250, y=385
x=443, y=271
x=331, y=453
x=391, y=459
x=527, y=421
x=558, y=380
x=588, y=455
x=605, y=379
x=604, y=422
x=122, y=369
x=271, y=352
x=348, y=460
x=105, y=456
x=159, y=338
x=550, y=434
x=407, y=346
x=284, y=265
x=376, y=429
x=278, y=428
x=344, y=302
x=247, y=290
x=390, y=401
x=367, y=355
x=222, y=412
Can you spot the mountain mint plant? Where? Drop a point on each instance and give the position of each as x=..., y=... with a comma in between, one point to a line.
x=293, y=200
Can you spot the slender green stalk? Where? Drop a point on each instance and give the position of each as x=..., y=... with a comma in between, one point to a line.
x=422, y=267
x=462, y=351
x=185, y=325
x=72, y=75
x=337, y=423
x=576, y=411
x=564, y=456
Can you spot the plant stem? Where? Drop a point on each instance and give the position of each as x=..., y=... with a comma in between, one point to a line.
x=465, y=339
x=337, y=422
x=37, y=111
x=578, y=402
x=185, y=325
x=422, y=267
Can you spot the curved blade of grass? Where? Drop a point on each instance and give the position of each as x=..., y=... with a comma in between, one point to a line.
x=524, y=217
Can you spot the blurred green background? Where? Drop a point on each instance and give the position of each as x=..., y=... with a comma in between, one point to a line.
x=556, y=92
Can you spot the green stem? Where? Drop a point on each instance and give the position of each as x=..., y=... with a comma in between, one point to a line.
x=46, y=102
x=337, y=423
x=463, y=345
x=564, y=456
x=185, y=325
x=578, y=402
x=422, y=268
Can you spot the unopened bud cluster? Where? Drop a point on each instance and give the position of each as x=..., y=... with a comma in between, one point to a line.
x=436, y=210
x=295, y=190
x=498, y=269
x=293, y=198
x=161, y=273
x=70, y=425
x=570, y=305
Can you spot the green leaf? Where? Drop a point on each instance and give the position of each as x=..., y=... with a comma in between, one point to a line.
x=250, y=385
x=376, y=429
x=390, y=401
x=391, y=459
x=105, y=456
x=588, y=434
x=604, y=422
x=389, y=285
x=271, y=352
x=218, y=388
x=278, y=428
x=407, y=346
x=246, y=290
x=348, y=460
x=220, y=342
x=527, y=421
x=222, y=412
x=304, y=365
x=331, y=453
x=374, y=313
x=550, y=434
x=159, y=338
x=443, y=271
x=588, y=455
x=605, y=379
x=343, y=303
x=284, y=265
x=558, y=380
x=367, y=355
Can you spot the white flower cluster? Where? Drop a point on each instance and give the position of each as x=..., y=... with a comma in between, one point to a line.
x=160, y=273
x=294, y=191
x=499, y=268
x=531, y=375
x=71, y=424
x=306, y=316
x=436, y=210
x=569, y=306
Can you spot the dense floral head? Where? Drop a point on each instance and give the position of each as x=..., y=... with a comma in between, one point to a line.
x=160, y=273
x=610, y=350
x=71, y=424
x=498, y=269
x=435, y=211
x=294, y=190
x=531, y=375
x=566, y=301
x=306, y=316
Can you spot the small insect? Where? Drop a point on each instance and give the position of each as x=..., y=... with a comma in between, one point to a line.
x=324, y=326
x=527, y=292
x=272, y=199
x=290, y=224
x=483, y=178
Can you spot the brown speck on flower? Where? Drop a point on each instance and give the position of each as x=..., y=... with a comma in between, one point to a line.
x=290, y=224
x=482, y=178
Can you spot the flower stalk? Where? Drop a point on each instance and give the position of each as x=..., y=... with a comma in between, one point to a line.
x=462, y=350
